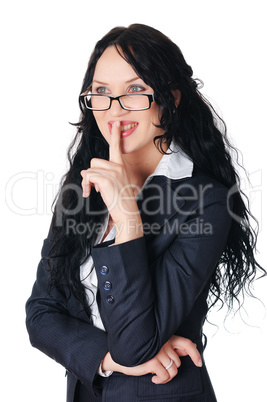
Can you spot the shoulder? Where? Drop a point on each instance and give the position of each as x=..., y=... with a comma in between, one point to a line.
x=198, y=187
x=197, y=196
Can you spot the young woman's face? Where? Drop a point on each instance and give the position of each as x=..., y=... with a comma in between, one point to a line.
x=114, y=76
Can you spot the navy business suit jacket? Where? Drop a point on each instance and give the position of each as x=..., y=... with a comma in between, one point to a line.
x=149, y=289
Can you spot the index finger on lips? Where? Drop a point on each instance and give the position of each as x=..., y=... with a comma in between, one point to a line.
x=115, y=154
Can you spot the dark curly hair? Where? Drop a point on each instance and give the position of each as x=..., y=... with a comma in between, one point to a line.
x=193, y=125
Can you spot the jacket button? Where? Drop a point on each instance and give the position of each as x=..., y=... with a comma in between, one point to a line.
x=110, y=299
x=104, y=270
x=107, y=285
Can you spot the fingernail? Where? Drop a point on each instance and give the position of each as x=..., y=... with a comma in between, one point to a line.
x=118, y=123
x=199, y=363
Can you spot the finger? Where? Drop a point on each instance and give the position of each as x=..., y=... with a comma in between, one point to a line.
x=102, y=164
x=92, y=178
x=172, y=371
x=115, y=154
x=97, y=163
x=86, y=185
x=181, y=352
x=97, y=188
x=168, y=352
x=162, y=375
x=175, y=357
x=195, y=355
x=189, y=348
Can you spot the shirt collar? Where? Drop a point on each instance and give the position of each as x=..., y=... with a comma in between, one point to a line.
x=174, y=165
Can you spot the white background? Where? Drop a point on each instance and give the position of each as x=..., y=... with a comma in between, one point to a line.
x=44, y=53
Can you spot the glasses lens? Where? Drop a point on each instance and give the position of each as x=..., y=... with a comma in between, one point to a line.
x=138, y=102
x=97, y=101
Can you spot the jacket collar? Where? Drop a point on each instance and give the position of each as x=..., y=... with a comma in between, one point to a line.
x=174, y=165
x=157, y=201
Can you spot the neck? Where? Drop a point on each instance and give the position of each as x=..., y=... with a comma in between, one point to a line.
x=140, y=164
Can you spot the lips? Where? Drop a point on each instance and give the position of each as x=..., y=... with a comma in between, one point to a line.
x=127, y=127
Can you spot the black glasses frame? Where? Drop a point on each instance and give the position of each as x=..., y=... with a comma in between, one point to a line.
x=118, y=98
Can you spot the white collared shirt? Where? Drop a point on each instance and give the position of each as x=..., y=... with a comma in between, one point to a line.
x=176, y=165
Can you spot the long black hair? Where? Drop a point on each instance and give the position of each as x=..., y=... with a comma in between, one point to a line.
x=193, y=125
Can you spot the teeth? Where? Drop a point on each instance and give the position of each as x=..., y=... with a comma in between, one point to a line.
x=128, y=126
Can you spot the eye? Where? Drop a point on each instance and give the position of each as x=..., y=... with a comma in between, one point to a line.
x=101, y=90
x=136, y=88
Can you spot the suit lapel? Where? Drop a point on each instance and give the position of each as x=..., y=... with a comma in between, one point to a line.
x=158, y=204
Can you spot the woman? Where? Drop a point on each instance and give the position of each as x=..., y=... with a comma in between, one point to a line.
x=149, y=225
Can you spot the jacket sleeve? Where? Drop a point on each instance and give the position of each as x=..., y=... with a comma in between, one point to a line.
x=143, y=304
x=67, y=337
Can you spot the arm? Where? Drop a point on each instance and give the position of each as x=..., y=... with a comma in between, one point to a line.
x=151, y=296
x=152, y=302
x=58, y=328
x=78, y=346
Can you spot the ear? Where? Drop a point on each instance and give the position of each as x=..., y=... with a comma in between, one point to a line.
x=177, y=96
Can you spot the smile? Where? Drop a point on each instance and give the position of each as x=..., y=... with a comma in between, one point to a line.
x=127, y=128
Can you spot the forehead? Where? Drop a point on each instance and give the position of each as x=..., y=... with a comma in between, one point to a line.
x=112, y=68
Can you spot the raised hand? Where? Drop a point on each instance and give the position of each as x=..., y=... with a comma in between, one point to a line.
x=111, y=180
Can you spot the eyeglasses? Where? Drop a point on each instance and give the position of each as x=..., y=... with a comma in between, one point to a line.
x=127, y=102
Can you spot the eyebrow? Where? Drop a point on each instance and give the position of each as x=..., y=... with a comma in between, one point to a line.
x=126, y=82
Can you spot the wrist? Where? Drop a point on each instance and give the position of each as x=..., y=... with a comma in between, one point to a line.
x=109, y=365
x=106, y=364
x=129, y=229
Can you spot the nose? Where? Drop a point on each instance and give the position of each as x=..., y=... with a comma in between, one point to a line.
x=116, y=109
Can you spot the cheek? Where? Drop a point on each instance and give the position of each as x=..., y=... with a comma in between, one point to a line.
x=155, y=114
x=101, y=124
x=97, y=118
